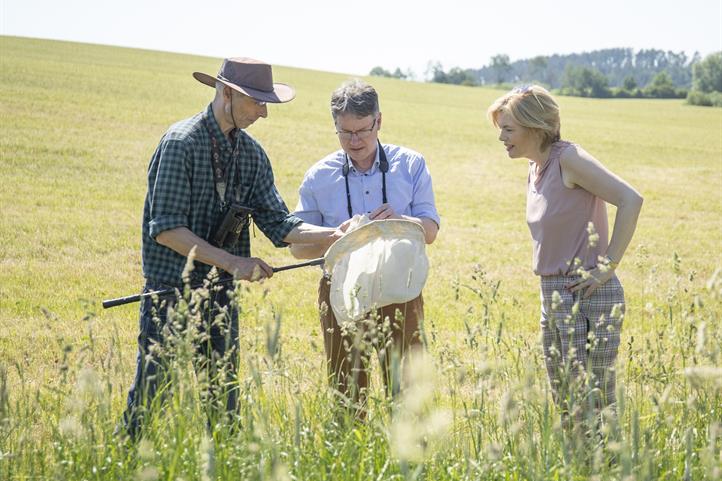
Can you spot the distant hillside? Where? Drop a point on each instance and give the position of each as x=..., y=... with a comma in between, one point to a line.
x=616, y=64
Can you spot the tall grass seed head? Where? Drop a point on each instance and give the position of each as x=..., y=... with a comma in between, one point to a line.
x=415, y=438
x=649, y=307
x=421, y=382
x=148, y=473
x=207, y=459
x=593, y=240
x=70, y=427
x=592, y=235
x=146, y=451
x=89, y=384
x=556, y=300
x=701, y=376
x=714, y=283
x=189, y=266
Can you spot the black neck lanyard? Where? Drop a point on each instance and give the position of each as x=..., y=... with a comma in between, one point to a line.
x=220, y=171
x=383, y=167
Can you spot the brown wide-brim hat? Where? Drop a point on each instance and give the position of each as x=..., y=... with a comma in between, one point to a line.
x=250, y=77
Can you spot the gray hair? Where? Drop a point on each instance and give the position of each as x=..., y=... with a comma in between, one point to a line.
x=354, y=97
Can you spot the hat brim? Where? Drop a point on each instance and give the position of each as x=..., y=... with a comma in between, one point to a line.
x=281, y=93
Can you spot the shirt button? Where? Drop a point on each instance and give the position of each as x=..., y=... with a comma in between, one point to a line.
x=367, y=192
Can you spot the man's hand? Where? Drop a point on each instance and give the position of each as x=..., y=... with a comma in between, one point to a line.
x=248, y=268
x=384, y=211
x=337, y=234
x=342, y=229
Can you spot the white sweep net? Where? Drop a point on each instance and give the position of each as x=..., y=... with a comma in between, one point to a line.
x=375, y=264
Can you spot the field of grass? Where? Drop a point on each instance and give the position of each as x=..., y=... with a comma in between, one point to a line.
x=79, y=124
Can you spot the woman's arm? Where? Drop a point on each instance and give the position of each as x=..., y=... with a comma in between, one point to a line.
x=579, y=168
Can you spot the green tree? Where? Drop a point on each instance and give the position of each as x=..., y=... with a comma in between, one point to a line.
x=398, y=74
x=459, y=76
x=435, y=72
x=382, y=72
x=501, y=66
x=661, y=87
x=629, y=83
x=585, y=82
x=379, y=72
x=707, y=74
x=537, y=68
x=707, y=82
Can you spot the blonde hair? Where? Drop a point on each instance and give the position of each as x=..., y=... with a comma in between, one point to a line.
x=532, y=107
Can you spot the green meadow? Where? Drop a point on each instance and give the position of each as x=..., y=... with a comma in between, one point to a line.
x=78, y=125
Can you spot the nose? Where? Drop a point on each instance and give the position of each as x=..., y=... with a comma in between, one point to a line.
x=355, y=139
x=501, y=135
x=262, y=111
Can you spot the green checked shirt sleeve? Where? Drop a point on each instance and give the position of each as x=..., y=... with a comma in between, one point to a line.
x=170, y=192
x=270, y=212
x=179, y=195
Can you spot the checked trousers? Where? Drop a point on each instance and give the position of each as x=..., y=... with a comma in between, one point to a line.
x=580, y=339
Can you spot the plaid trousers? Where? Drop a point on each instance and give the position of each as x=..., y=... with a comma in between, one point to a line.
x=580, y=338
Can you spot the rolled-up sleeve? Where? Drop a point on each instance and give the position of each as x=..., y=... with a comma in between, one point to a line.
x=169, y=187
x=423, y=203
x=270, y=212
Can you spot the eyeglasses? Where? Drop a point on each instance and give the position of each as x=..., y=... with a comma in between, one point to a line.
x=360, y=134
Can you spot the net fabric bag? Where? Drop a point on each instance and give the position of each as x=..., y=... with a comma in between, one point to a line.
x=377, y=263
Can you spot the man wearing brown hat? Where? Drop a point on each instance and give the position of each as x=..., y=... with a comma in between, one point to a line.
x=205, y=167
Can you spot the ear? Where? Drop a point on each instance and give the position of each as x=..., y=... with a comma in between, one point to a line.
x=540, y=135
x=227, y=93
x=378, y=122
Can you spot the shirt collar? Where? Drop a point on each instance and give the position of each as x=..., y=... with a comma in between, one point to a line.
x=374, y=166
x=215, y=129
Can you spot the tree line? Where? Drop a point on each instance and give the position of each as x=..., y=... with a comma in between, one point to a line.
x=617, y=72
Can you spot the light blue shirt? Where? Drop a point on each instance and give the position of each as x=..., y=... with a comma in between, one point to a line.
x=322, y=195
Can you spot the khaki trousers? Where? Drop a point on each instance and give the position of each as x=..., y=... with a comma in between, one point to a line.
x=391, y=331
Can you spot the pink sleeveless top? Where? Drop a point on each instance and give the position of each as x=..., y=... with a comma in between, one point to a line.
x=558, y=217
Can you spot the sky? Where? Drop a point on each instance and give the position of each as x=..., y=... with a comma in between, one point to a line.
x=354, y=37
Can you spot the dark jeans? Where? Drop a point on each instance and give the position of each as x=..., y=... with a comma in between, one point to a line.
x=215, y=360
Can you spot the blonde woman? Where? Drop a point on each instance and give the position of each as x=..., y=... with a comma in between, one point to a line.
x=582, y=300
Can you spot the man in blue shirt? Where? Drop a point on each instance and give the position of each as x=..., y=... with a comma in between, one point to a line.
x=202, y=166
x=383, y=181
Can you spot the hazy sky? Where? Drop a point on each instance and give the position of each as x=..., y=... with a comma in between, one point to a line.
x=353, y=37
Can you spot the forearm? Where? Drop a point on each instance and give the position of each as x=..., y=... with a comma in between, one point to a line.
x=310, y=241
x=308, y=251
x=431, y=229
x=311, y=234
x=625, y=223
x=182, y=240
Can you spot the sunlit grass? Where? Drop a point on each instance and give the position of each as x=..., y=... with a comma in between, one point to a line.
x=79, y=124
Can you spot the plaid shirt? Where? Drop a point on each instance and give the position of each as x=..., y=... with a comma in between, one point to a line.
x=182, y=193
